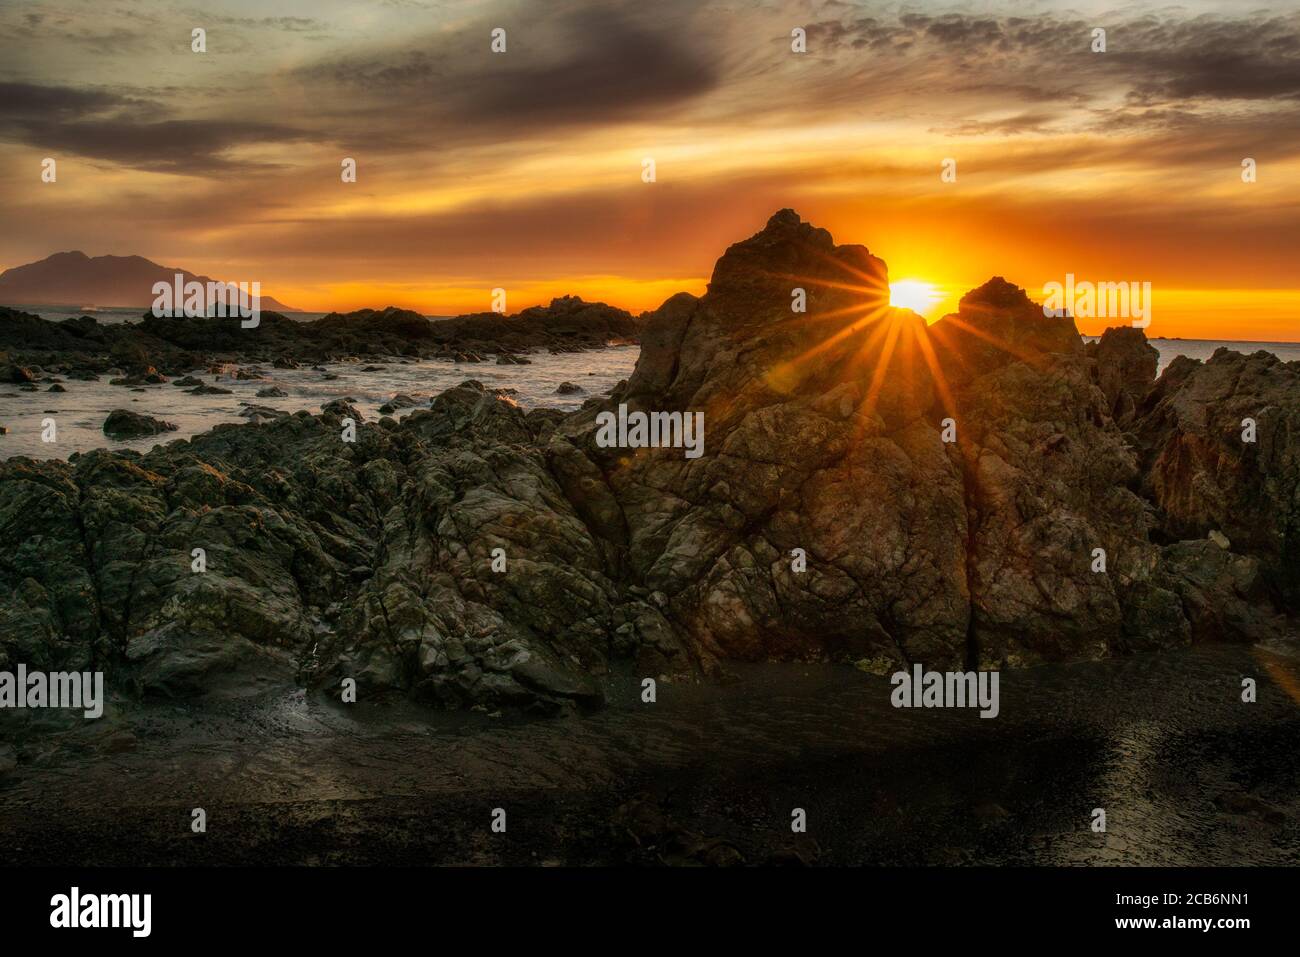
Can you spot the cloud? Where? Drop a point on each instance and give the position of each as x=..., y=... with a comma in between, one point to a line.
x=564, y=68
x=1218, y=59
x=105, y=125
x=288, y=24
x=527, y=163
x=62, y=102
x=1150, y=59
x=170, y=146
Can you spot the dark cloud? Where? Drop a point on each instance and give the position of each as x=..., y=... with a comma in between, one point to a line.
x=1229, y=61
x=566, y=68
x=105, y=125
x=1149, y=59
x=170, y=146
x=574, y=66
x=61, y=102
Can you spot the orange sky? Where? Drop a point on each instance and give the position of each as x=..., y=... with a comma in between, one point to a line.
x=523, y=169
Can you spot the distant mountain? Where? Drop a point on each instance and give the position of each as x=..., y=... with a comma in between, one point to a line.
x=75, y=279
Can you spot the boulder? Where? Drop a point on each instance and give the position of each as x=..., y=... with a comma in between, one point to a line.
x=124, y=424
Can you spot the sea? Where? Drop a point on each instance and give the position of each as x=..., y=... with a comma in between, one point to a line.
x=79, y=412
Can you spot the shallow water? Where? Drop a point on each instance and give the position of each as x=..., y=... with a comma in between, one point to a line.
x=1188, y=774
x=79, y=412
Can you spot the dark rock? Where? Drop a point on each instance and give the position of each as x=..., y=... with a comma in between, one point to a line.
x=150, y=376
x=13, y=374
x=1203, y=475
x=1126, y=369
x=124, y=424
x=399, y=401
x=260, y=413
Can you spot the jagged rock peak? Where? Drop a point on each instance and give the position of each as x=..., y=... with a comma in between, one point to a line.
x=999, y=293
x=789, y=253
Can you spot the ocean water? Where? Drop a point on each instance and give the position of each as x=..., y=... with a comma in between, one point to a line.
x=79, y=413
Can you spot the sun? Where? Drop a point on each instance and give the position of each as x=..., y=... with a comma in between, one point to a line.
x=915, y=294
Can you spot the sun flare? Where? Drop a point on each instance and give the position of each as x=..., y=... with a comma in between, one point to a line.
x=915, y=294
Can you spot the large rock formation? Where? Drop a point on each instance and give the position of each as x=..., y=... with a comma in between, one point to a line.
x=1221, y=452
x=819, y=437
x=870, y=489
x=1125, y=369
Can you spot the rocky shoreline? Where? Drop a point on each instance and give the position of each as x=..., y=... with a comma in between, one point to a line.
x=474, y=555
x=156, y=349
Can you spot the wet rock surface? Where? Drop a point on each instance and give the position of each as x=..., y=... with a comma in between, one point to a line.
x=123, y=423
x=707, y=776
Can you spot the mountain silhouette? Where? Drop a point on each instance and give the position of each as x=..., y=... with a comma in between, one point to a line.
x=73, y=278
